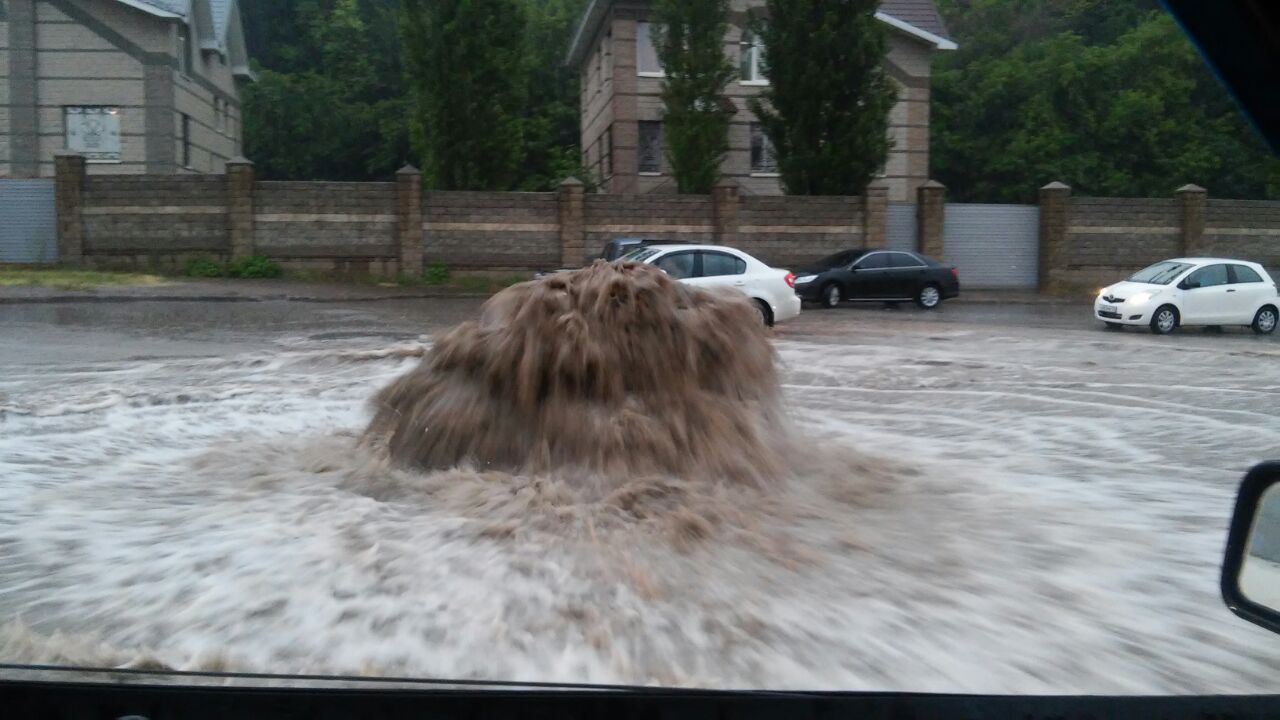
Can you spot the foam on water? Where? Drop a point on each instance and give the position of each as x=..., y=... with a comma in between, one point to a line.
x=951, y=528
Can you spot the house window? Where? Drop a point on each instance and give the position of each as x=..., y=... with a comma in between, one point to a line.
x=650, y=147
x=763, y=161
x=646, y=54
x=93, y=131
x=185, y=136
x=184, y=48
x=751, y=58
x=607, y=160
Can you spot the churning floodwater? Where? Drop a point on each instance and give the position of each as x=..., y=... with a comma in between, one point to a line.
x=947, y=509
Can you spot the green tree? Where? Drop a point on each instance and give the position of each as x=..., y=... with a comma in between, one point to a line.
x=689, y=38
x=1107, y=97
x=325, y=105
x=826, y=110
x=465, y=61
x=551, y=119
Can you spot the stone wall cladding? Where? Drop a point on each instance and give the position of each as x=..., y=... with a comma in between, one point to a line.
x=491, y=231
x=688, y=219
x=1245, y=229
x=301, y=220
x=792, y=231
x=1109, y=238
x=126, y=217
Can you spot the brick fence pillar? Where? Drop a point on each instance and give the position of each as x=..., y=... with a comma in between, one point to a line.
x=240, y=181
x=573, y=227
x=1191, y=201
x=724, y=209
x=68, y=183
x=875, y=212
x=931, y=208
x=409, y=219
x=1054, y=215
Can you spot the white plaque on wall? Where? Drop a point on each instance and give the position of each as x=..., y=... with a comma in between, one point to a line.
x=94, y=132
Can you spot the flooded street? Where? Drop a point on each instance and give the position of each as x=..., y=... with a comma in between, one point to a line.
x=995, y=499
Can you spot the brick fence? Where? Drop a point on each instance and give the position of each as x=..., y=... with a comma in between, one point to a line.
x=395, y=228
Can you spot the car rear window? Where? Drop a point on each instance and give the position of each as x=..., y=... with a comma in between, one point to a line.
x=1245, y=274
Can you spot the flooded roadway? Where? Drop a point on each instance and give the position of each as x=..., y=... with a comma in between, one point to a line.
x=1007, y=500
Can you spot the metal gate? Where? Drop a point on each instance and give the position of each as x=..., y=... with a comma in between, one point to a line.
x=993, y=246
x=900, y=227
x=28, y=231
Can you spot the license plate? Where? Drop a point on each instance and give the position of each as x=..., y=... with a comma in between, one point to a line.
x=1108, y=308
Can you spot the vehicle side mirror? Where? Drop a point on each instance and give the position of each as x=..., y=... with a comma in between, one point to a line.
x=1251, y=568
x=854, y=268
x=1189, y=284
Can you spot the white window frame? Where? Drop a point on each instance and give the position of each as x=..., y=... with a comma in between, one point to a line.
x=647, y=33
x=756, y=49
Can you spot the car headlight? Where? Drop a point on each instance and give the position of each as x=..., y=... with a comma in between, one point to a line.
x=1141, y=298
x=805, y=279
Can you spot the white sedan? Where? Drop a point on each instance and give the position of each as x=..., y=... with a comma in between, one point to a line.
x=1192, y=291
x=711, y=266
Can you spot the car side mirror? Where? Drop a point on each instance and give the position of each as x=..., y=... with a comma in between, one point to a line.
x=1251, y=568
x=1189, y=284
x=854, y=268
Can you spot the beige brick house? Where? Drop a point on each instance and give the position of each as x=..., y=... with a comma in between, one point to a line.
x=621, y=123
x=137, y=86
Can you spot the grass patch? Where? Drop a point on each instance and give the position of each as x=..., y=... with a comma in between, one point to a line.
x=66, y=279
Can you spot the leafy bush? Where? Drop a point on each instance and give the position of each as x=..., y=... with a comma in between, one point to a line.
x=254, y=266
x=436, y=274
x=203, y=267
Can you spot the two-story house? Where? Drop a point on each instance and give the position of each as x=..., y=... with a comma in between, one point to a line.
x=621, y=105
x=134, y=85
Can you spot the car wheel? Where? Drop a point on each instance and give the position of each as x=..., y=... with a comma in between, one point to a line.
x=1114, y=326
x=766, y=315
x=929, y=297
x=1264, y=323
x=1165, y=320
x=831, y=295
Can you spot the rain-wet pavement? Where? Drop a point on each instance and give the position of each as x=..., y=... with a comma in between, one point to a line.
x=176, y=482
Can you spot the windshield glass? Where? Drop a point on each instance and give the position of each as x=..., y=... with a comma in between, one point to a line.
x=640, y=255
x=1162, y=273
x=309, y=362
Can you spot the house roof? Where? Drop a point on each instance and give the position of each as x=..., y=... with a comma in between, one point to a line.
x=217, y=24
x=918, y=18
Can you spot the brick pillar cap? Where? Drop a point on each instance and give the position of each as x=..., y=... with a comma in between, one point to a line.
x=1191, y=188
x=408, y=169
x=240, y=160
x=934, y=184
x=726, y=183
x=572, y=182
x=1055, y=185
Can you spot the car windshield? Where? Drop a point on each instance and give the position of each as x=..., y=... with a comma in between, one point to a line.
x=640, y=254
x=309, y=362
x=1162, y=273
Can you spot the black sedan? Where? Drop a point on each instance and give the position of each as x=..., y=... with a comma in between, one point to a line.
x=877, y=275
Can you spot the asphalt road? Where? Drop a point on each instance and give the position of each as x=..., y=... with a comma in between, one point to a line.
x=82, y=331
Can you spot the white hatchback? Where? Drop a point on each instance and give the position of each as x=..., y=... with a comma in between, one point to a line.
x=712, y=266
x=1192, y=291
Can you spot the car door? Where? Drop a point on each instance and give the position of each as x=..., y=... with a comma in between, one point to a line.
x=1247, y=293
x=867, y=277
x=904, y=276
x=1205, y=298
x=720, y=269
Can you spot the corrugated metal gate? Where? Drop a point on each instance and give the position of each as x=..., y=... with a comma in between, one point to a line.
x=900, y=227
x=28, y=231
x=993, y=246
